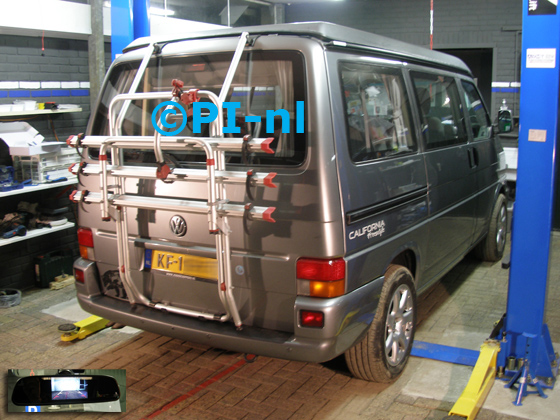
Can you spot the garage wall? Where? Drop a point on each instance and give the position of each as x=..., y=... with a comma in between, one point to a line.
x=457, y=24
x=65, y=62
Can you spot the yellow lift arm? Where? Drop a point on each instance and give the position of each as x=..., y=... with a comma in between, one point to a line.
x=478, y=387
x=83, y=328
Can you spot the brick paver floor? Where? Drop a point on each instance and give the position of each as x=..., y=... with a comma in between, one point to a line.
x=172, y=379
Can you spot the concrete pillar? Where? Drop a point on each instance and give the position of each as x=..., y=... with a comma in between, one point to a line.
x=279, y=13
x=96, y=48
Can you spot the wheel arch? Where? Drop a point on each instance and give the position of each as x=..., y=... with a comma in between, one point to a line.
x=408, y=256
x=501, y=189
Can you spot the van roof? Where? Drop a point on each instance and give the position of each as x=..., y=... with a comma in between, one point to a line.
x=330, y=34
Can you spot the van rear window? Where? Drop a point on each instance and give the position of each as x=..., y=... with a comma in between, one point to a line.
x=264, y=80
x=377, y=112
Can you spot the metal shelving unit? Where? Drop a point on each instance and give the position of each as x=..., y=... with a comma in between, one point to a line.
x=38, y=187
x=39, y=112
x=35, y=233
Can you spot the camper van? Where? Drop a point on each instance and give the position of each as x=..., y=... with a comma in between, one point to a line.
x=284, y=190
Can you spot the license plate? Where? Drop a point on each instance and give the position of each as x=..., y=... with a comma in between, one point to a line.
x=188, y=265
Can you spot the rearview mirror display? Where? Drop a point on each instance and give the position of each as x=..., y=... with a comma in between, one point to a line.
x=46, y=390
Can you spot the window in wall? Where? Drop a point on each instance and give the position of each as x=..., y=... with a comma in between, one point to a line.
x=480, y=124
x=440, y=110
x=377, y=112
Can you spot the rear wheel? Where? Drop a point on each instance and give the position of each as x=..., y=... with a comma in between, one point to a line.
x=382, y=355
x=492, y=247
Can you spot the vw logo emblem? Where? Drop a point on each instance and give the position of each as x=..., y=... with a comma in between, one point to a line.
x=178, y=226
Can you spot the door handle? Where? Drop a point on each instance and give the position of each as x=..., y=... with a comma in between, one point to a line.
x=473, y=157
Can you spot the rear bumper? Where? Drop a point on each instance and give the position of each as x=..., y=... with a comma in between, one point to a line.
x=347, y=319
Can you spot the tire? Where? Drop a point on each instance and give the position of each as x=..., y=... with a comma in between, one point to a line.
x=492, y=246
x=394, y=323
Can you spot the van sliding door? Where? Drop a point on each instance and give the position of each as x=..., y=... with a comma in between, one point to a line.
x=482, y=155
x=451, y=177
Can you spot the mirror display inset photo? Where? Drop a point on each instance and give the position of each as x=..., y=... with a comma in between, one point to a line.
x=66, y=390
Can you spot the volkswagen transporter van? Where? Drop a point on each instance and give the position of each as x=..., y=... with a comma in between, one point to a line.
x=284, y=190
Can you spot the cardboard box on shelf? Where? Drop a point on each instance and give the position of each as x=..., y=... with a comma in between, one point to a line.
x=24, y=140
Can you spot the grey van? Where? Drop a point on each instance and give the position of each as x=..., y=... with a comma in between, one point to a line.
x=351, y=173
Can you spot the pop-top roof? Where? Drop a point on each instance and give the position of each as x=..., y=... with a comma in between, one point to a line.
x=326, y=32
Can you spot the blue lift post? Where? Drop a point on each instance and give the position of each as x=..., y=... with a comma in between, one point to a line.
x=141, y=18
x=526, y=347
x=130, y=19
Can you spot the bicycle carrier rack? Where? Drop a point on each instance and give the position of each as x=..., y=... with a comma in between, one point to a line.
x=114, y=201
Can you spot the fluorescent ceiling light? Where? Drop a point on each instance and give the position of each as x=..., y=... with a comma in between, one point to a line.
x=161, y=12
x=261, y=2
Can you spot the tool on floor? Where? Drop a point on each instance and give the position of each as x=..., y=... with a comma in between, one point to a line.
x=82, y=329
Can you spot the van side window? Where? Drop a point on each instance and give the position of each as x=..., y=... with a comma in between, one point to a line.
x=440, y=110
x=480, y=123
x=377, y=112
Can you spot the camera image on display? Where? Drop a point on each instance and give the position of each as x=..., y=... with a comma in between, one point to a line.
x=69, y=389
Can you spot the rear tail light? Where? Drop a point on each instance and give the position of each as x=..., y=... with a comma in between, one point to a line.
x=85, y=237
x=321, y=278
x=85, y=240
x=79, y=275
x=312, y=319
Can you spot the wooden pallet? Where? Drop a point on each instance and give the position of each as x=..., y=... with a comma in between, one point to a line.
x=61, y=282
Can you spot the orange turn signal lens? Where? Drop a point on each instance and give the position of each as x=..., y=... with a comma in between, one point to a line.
x=326, y=289
x=87, y=253
x=83, y=252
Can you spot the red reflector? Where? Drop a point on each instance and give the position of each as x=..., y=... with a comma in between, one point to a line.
x=79, y=275
x=321, y=270
x=265, y=145
x=267, y=215
x=312, y=319
x=268, y=180
x=85, y=237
